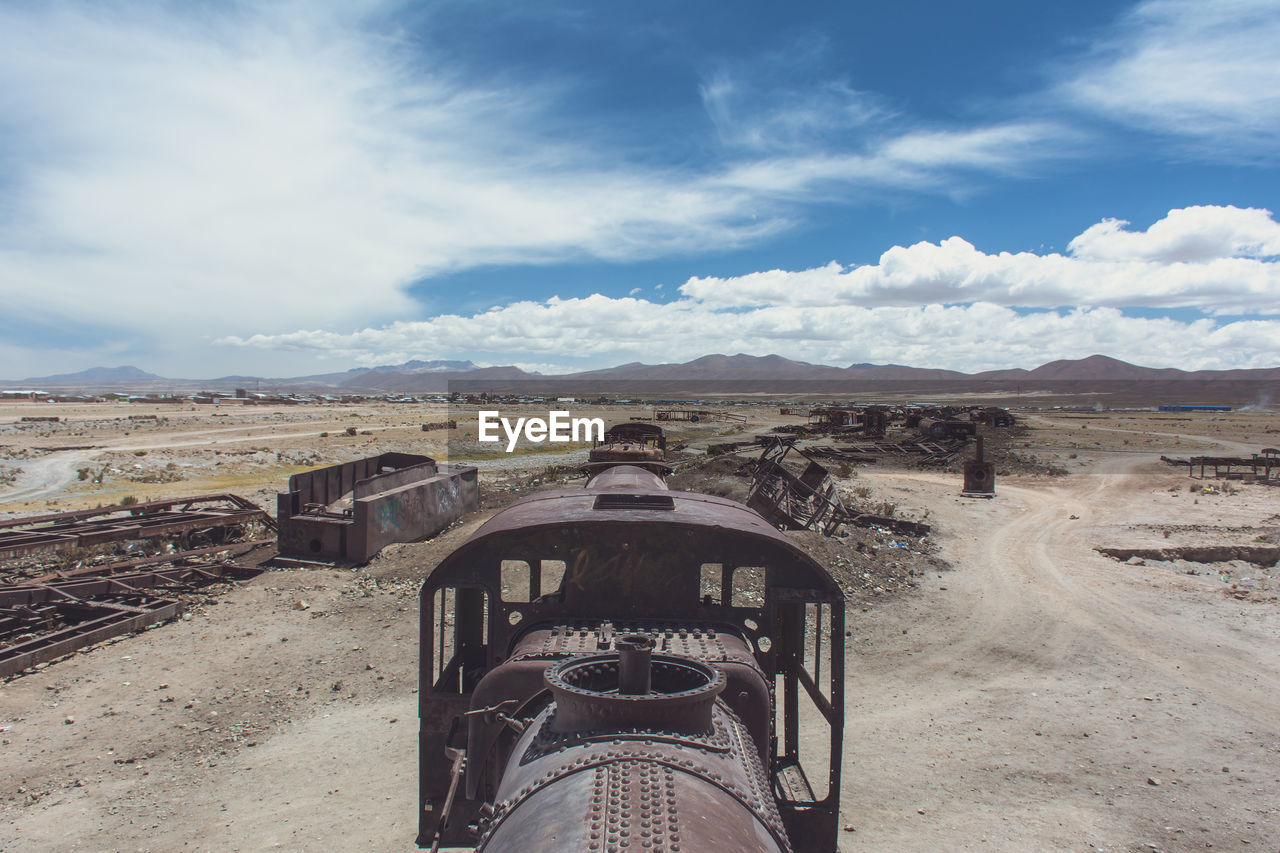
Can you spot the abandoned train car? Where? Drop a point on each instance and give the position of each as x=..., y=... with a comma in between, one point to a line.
x=626, y=667
x=631, y=443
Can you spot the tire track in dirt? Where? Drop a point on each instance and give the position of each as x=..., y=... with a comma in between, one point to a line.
x=1021, y=700
x=1089, y=592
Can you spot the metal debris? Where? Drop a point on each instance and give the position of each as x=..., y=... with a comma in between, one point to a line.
x=979, y=475
x=186, y=518
x=394, y=497
x=697, y=415
x=808, y=501
x=40, y=622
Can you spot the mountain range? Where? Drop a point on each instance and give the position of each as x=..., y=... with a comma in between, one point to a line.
x=709, y=374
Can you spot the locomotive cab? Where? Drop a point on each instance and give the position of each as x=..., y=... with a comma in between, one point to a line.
x=575, y=575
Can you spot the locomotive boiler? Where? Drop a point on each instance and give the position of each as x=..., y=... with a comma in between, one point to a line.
x=625, y=667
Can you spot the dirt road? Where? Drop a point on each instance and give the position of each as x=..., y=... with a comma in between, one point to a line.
x=48, y=475
x=1041, y=696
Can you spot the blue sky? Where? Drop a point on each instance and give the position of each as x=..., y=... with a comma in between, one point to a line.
x=286, y=188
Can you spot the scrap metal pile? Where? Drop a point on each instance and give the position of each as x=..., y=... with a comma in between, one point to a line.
x=697, y=415
x=65, y=589
x=1261, y=467
x=203, y=520
x=947, y=425
x=72, y=579
x=929, y=452
x=60, y=613
x=809, y=500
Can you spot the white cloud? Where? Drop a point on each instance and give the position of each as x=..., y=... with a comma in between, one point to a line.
x=1209, y=71
x=606, y=331
x=271, y=170
x=247, y=171
x=933, y=160
x=773, y=118
x=1187, y=235
x=903, y=309
x=1211, y=258
x=252, y=169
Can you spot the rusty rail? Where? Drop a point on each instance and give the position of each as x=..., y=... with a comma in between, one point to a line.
x=80, y=528
x=181, y=559
x=43, y=621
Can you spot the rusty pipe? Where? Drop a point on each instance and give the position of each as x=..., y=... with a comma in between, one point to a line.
x=634, y=664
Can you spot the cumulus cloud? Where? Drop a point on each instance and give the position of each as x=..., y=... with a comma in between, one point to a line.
x=1188, y=235
x=928, y=305
x=1206, y=71
x=981, y=336
x=1212, y=258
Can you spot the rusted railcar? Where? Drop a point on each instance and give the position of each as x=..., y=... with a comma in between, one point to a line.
x=630, y=443
x=624, y=667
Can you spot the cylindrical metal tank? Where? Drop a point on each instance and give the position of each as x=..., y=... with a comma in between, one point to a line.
x=602, y=770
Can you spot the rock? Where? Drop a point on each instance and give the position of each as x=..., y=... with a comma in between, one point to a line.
x=1136, y=561
x=69, y=721
x=1153, y=781
x=301, y=604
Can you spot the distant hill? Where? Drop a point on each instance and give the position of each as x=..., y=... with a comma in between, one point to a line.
x=717, y=368
x=435, y=366
x=347, y=376
x=95, y=375
x=433, y=381
x=1102, y=368
x=892, y=372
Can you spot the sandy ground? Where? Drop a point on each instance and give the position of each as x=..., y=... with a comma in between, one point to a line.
x=1035, y=695
x=1041, y=696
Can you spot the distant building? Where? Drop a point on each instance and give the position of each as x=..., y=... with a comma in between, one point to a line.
x=22, y=394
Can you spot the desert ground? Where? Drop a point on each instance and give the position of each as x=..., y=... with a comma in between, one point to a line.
x=1009, y=687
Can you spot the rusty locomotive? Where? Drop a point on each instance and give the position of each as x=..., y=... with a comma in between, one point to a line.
x=626, y=667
